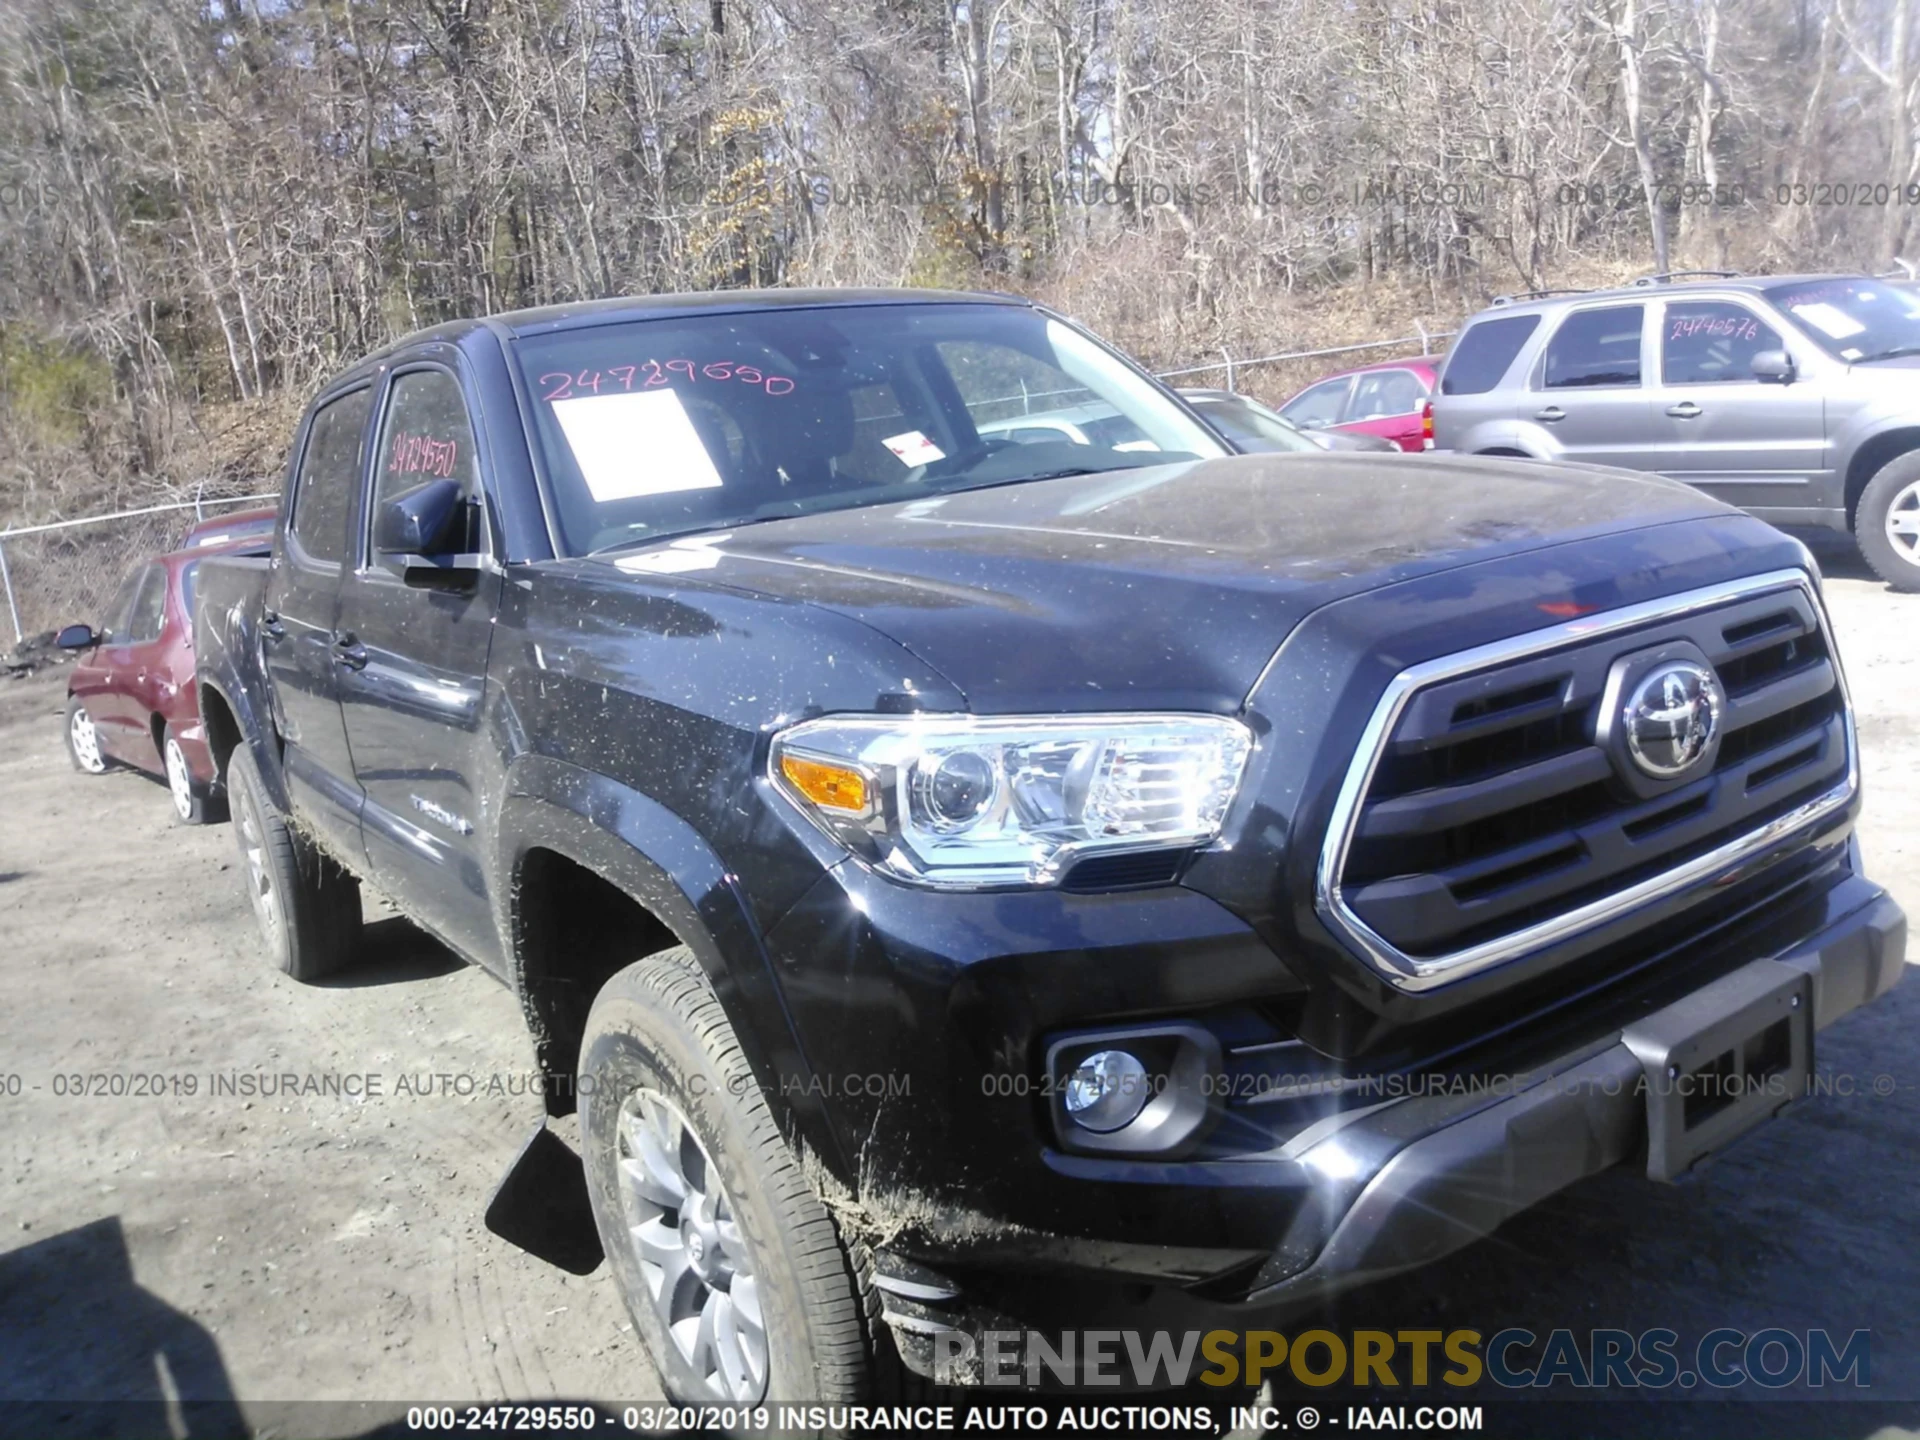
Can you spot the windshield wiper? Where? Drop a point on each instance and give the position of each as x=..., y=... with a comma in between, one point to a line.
x=1064, y=474
x=1895, y=352
x=661, y=537
x=856, y=501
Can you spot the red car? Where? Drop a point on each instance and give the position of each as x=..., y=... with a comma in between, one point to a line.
x=131, y=699
x=1393, y=399
x=225, y=529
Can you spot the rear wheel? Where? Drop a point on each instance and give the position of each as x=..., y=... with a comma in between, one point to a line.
x=83, y=740
x=192, y=803
x=1886, y=523
x=728, y=1262
x=307, y=906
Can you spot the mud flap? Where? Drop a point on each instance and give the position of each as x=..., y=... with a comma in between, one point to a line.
x=541, y=1206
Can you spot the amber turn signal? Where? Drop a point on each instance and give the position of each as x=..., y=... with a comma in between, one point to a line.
x=831, y=787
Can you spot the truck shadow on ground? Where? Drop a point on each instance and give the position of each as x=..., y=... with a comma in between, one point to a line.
x=394, y=951
x=85, y=1351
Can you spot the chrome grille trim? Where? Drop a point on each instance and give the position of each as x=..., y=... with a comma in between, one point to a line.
x=1411, y=973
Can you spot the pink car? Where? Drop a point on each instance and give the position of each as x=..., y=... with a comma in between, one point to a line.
x=1392, y=399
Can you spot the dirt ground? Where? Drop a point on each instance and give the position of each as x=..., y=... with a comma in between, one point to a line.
x=233, y=1250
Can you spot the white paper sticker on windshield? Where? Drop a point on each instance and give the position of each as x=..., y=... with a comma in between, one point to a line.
x=635, y=444
x=913, y=448
x=1830, y=319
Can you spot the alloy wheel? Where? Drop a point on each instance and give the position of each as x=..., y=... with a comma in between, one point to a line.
x=86, y=741
x=253, y=850
x=179, y=780
x=693, y=1259
x=1903, y=524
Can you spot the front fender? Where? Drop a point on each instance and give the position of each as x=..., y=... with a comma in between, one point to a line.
x=660, y=862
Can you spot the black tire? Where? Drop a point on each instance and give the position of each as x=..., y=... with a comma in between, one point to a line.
x=657, y=1034
x=88, y=761
x=308, y=907
x=193, y=803
x=1893, y=493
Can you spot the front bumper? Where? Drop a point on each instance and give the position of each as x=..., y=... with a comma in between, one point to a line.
x=1368, y=1192
x=1471, y=1173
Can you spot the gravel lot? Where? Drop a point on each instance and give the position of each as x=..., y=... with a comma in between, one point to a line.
x=216, y=1247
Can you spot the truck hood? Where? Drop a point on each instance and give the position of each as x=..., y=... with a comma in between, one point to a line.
x=1166, y=587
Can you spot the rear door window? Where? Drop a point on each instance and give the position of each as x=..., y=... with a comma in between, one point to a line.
x=1595, y=347
x=1482, y=356
x=1711, y=342
x=1382, y=393
x=189, y=578
x=329, y=476
x=1320, y=405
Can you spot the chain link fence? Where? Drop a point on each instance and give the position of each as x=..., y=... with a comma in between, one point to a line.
x=68, y=571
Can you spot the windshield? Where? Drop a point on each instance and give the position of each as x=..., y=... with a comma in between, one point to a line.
x=1250, y=424
x=1854, y=320
x=662, y=427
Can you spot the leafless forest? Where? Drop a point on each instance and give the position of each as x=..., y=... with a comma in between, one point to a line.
x=205, y=204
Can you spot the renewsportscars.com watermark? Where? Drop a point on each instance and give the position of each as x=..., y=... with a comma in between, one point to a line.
x=1513, y=1359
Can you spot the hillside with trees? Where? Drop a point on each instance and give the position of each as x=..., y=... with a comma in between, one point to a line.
x=207, y=204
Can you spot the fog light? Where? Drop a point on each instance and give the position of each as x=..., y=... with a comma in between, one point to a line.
x=1106, y=1091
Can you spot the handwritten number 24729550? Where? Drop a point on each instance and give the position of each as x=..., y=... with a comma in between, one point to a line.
x=652, y=374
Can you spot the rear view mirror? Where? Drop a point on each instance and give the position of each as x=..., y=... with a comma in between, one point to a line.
x=76, y=637
x=1773, y=367
x=415, y=523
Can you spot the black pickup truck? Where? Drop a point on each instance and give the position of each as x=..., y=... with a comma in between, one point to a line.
x=974, y=874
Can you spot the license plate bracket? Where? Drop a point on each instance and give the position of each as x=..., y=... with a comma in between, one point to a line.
x=1721, y=1060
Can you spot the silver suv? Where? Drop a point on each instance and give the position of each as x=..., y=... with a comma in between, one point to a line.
x=1794, y=397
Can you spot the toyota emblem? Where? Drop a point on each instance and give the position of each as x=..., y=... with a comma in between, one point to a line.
x=1672, y=717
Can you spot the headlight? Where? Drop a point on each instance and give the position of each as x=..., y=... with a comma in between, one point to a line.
x=964, y=803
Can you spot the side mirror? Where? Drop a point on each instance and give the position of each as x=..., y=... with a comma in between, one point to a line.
x=76, y=637
x=1773, y=367
x=414, y=529
x=416, y=522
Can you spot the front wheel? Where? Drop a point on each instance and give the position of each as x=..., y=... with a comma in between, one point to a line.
x=1886, y=523
x=727, y=1260
x=307, y=906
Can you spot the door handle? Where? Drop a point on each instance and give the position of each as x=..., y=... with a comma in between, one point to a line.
x=270, y=625
x=1685, y=410
x=1550, y=414
x=349, y=652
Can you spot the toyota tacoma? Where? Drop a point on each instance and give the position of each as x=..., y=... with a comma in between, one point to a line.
x=969, y=874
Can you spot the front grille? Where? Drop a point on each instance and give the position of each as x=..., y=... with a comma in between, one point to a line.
x=1494, y=806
